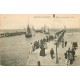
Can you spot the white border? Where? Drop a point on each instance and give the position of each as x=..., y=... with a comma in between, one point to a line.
x=39, y=7
x=39, y=73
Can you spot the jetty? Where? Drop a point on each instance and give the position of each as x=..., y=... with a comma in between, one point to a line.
x=9, y=34
x=35, y=59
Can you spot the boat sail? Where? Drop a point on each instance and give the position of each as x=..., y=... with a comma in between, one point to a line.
x=28, y=32
x=46, y=30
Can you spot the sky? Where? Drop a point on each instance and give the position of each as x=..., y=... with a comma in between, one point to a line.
x=20, y=21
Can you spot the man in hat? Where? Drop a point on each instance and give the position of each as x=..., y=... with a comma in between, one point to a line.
x=52, y=53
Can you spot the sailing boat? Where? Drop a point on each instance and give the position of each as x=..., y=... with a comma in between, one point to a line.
x=28, y=32
x=46, y=30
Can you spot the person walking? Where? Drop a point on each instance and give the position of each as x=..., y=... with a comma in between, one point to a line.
x=68, y=60
x=32, y=49
x=73, y=53
x=42, y=52
x=70, y=57
x=66, y=57
x=65, y=43
x=52, y=53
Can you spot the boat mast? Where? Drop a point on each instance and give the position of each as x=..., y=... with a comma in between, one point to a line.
x=48, y=30
x=28, y=21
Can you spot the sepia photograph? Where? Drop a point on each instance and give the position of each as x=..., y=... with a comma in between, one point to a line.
x=39, y=39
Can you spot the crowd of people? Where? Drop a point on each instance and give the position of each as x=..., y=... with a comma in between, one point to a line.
x=70, y=54
x=42, y=44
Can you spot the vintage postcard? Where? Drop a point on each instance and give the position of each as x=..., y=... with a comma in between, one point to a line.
x=39, y=39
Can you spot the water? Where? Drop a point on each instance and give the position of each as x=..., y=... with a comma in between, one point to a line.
x=14, y=50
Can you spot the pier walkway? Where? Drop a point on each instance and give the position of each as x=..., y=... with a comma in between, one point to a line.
x=47, y=60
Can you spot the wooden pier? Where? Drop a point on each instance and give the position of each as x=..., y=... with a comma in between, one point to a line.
x=35, y=59
x=10, y=34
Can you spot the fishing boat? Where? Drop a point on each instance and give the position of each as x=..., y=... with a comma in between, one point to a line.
x=38, y=30
x=28, y=32
x=46, y=31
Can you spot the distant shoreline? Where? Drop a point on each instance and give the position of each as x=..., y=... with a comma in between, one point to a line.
x=22, y=30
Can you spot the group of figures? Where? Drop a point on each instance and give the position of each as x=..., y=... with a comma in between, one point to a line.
x=42, y=44
x=70, y=54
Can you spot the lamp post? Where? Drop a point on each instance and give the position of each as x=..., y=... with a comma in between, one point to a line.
x=57, y=61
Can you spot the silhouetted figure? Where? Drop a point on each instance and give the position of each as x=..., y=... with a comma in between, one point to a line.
x=75, y=45
x=41, y=44
x=52, y=53
x=73, y=53
x=70, y=56
x=66, y=55
x=33, y=48
x=37, y=44
x=42, y=52
x=65, y=43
